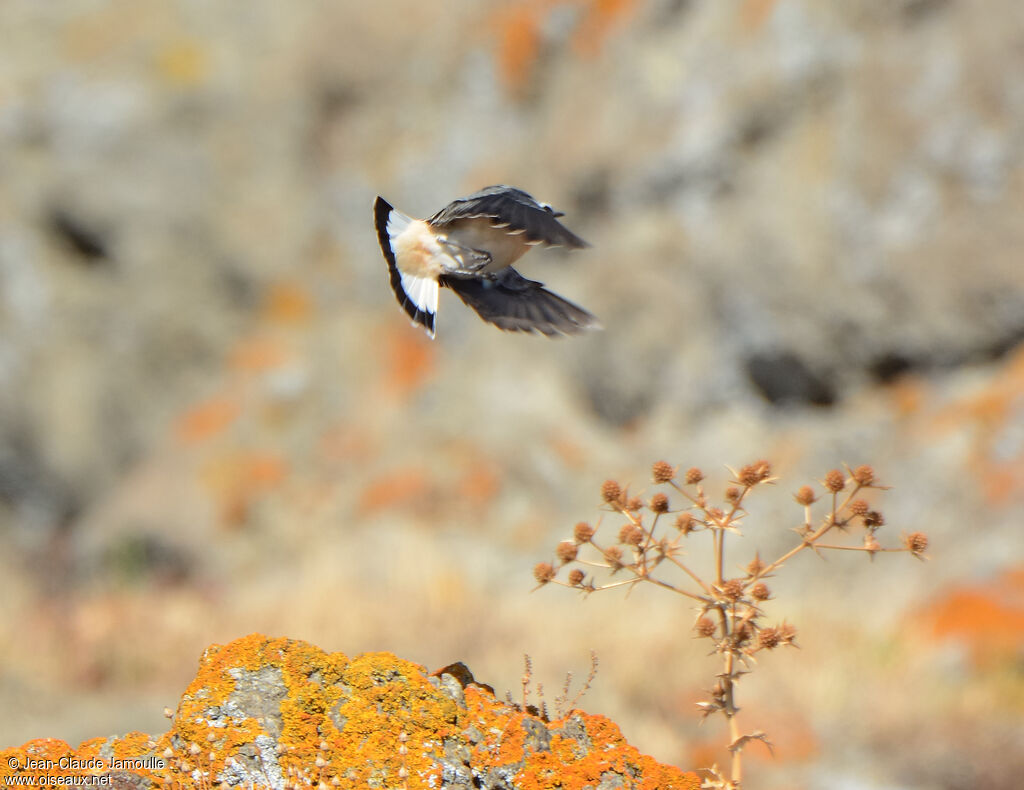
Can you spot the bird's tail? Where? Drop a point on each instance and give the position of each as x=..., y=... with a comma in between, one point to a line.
x=418, y=296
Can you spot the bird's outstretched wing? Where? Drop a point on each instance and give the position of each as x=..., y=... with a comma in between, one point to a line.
x=511, y=302
x=514, y=210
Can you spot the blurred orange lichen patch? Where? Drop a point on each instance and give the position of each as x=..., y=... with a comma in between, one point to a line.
x=287, y=303
x=707, y=752
x=518, y=31
x=479, y=484
x=343, y=443
x=600, y=18
x=207, y=419
x=569, y=452
x=792, y=738
x=754, y=13
x=409, y=361
x=259, y=353
x=184, y=63
x=96, y=33
x=239, y=478
x=906, y=395
x=1003, y=481
x=399, y=488
x=991, y=413
x=987, y=618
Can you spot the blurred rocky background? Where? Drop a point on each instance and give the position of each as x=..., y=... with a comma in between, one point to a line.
x=214, y=419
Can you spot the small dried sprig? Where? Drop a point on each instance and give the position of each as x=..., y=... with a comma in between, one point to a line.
x=563, y=704
x=729, y=610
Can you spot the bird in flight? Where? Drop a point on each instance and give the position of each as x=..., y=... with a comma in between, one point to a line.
x=470, y=246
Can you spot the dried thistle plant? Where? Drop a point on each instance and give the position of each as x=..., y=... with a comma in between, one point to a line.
x=648, y=547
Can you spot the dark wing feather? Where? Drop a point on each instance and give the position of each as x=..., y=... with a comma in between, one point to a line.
x=511, y=302
x=511, y=207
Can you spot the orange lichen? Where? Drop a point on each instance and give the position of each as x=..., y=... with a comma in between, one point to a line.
x=519, y=26
x=988, y=414
x=262, y=707
x=400, y=487
x=569, y=452
x=409, y=362
x=754, y=13
x=287, y=303
x=518, y=30
x=238, y=479
x=987, y=618
x=184, y=63
x=258, y=353
x=207, y=419
x=478, y=485
x=600, y=18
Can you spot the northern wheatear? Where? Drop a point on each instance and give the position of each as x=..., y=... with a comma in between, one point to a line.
x=470, y=246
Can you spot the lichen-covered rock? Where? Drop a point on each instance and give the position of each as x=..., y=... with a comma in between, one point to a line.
x=281, y=713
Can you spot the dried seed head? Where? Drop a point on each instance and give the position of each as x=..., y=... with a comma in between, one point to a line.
x=659, y=503
x=834, y=481
x=760, y=592
x=543, y=572
x=859, y=507
x=768, y=638
x=693, y=476
x=732, y=494
x=742, y=633
x=686, y=523
x=631, y=535
x=583, y=532
x=705, y=627
x=755, y=566
x=611, y=492
x=873, y=519
x=566, y=551
x=634, y=504
x=805, y=496
x=715, y=514
x=755, y=473
x=613, y=556
x=916, y=543
x=576, y=577
x=663, y=472
x=864, y=475
x=733, y=589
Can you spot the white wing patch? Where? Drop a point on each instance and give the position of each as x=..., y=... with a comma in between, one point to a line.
x=421, y=291
x=398, y=223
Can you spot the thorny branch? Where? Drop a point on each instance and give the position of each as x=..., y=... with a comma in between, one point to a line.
x=729, y=610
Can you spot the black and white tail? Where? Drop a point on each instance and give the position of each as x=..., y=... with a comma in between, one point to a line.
x=418, y=296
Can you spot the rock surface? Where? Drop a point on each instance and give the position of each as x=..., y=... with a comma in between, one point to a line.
x=280, y=713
